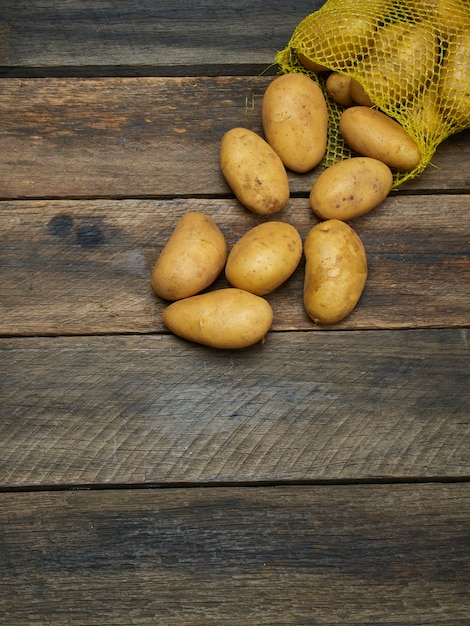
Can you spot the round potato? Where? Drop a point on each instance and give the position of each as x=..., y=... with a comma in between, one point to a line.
x=264, y=257
x=372, y=133
x=335, y=271
x=454, y=85
x=254, y=171
x=338, y=87
x=224, y=318
x=295, y=121
x=350, y=188
x=192, y=258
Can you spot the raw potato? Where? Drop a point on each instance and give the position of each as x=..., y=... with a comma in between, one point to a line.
x=449, y=15
x=254, y=171
x=328, y=40
x=372, y=133
x=404, y=56
x=426, y=115
x=338, y=87
x=264, y=257
x=192, y=258
x=295, y=121
x=224, y=318
x=350, y=188
x=335, y=271
x=358, y=94
x=454, y=86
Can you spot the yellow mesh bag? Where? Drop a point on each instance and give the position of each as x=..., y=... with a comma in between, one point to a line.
x=411, y=57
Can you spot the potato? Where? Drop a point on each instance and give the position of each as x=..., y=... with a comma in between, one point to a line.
x=449, y=16
x=358, y=94
x=424, y=114
x=338, y=87
x=311, y=65
x=372, y=133
x=224, y=318
x=254, y=171
x=329, y=39
x=264, y=257
x=454, y=85
x=350, y=188
x=295, y=121
x=335, y=271
x=192, y=258
x=402, y=60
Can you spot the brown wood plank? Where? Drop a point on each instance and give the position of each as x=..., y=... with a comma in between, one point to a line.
x=84, y=267
x=137, y=137
x=373, y=405
x=159, y=35
x=346, y=555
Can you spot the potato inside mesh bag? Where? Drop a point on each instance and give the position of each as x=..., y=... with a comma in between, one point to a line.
x=411, y=59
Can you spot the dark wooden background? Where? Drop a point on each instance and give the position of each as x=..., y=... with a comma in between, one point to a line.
x=321, y=478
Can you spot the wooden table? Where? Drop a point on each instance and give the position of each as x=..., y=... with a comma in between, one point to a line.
x=320, y=478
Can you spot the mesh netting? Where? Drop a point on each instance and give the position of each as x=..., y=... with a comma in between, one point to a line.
x=411, y=57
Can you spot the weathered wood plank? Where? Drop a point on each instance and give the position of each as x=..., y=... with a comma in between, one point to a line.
x=155, y=36
x=305, y=406
x=84, y=267
x=392, y=555
x=155, y=137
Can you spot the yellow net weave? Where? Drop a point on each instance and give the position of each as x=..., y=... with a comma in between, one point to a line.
x=411, y=57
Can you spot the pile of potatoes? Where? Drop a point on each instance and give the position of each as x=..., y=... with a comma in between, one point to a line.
x=413, y=55
x=401, y=57
x=294, y=120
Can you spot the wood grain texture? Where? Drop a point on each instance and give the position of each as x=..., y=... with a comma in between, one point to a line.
x=349, y=555
x=372, y=405
x=147, y=137
x=45, y=34
x=73, y=267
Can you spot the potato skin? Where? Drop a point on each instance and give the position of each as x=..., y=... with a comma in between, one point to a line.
x=403, y=58
x=254, y=171
x=454, y=85
x=191, y=259
x=225, y=318
x=317, y=36
x=338, y=87
x=264, y=257
x=350, y=188
x=335, y=271
x=372, y=133
x=295, y=120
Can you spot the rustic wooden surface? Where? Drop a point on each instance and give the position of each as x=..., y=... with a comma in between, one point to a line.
x=320, y=478
x=374, y=554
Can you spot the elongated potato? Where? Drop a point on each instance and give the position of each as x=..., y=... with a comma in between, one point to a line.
x=254, y=171
x=350, y=188
x=335, y=271
x=372, y=133
x=192, y=258
x=327, y=39
x=224, y=318
x=402, y=60
x=449, y=16
x=264, y=257
x=454, y=85
x=426, y=115
x=358, y=94
x=295, y=120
